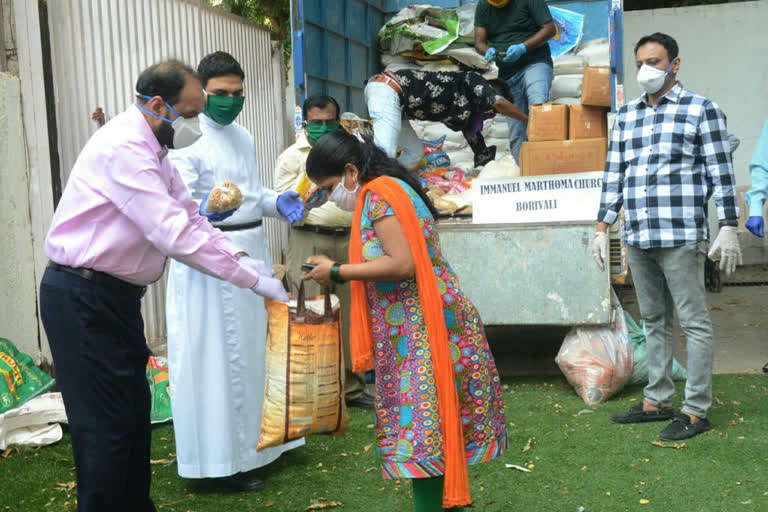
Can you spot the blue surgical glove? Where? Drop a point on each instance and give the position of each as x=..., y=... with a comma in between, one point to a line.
x=514, y=52
x=490, y=54
x=290, y=206
x=213, y=216
x=756, y=226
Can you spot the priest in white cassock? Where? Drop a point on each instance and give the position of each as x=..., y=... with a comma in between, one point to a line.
x=216, y=332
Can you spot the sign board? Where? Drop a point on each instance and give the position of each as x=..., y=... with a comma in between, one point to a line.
x=552, y=198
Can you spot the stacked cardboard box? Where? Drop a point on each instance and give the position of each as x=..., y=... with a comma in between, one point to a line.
x=564, y=139
x=557, y=157
x=548, y=122
x=587, y=122
x=596, y=88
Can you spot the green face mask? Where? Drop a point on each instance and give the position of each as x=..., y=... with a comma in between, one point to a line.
x=317, y=130
x=224, y=109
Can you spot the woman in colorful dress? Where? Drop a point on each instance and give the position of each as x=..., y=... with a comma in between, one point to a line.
x=439, y=405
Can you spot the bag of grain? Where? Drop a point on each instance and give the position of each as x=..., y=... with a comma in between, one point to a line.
x=305, y=370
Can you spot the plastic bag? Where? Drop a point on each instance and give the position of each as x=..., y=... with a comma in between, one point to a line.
x=640, y=355
x=597, y=361
x=569, y=28
x=434, y=153
x=159, y=390
x=35, y=423
x=20, y=379
x=503, y=168
x=305, y=371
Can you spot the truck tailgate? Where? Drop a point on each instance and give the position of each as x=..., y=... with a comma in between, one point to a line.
x=528, y=274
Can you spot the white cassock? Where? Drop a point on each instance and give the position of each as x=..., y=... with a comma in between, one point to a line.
x=216, y=331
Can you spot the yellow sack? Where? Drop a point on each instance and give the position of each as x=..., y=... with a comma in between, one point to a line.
x=305, y=371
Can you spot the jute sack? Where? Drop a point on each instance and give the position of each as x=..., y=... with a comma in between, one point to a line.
x=305, y=370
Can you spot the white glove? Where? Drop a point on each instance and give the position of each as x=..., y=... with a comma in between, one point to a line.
x=257, y=266
x=270, y=288
x=726, y=249
x=600, y=248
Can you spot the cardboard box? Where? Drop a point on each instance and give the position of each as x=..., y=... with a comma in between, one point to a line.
x=587, y=122
x=548, y=122
x=557, y=157
x=596, y=88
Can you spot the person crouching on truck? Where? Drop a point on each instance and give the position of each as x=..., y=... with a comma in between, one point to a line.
x=461, y=100
x=436, y=412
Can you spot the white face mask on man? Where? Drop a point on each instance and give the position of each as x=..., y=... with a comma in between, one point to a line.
x=345, y=199
x=651, y=79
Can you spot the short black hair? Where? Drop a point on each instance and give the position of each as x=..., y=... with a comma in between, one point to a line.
x=165, y=79
x=218, y=64
x=668, y=42
x=320, y=101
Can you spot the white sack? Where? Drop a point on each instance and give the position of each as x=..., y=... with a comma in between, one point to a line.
x=566, y=86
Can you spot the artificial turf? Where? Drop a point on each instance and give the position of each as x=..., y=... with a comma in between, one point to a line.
x=576, y=457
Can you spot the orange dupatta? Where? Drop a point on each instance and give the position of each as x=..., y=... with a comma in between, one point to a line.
x=456, y=484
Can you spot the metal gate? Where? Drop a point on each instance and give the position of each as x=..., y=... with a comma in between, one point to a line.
x=98, y=49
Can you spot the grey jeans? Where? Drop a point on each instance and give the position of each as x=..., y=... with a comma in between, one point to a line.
x=667, y=278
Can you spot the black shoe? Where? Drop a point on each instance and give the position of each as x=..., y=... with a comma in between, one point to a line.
x=682, y=428
x=364, y=401
x=241, y=482
x=637, y=415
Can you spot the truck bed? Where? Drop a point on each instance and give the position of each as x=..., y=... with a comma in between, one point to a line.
x=528, y=274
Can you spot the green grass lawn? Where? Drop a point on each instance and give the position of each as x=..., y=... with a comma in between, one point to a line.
x=577, y=459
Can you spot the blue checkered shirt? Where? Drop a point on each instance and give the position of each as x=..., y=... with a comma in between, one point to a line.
x=663, y=164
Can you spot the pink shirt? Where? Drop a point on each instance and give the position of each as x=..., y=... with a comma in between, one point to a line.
x=125, y=209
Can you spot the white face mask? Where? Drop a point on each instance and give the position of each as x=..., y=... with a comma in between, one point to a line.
x=651, y=79
x=345, y=199
x=186, y=131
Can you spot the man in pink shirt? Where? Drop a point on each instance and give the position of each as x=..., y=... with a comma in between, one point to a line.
x=124, y=211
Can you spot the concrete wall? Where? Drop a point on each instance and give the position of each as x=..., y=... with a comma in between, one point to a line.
x=18, y=289
x=9, y=60
x=723, y=57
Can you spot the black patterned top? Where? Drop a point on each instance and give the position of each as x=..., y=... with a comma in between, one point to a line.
x=449, y=97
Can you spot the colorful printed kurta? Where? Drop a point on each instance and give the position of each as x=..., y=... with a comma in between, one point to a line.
x=408, y=432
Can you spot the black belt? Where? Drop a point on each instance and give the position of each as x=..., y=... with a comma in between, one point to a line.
x=103, y=279
x=323, y=230
x=240, y=227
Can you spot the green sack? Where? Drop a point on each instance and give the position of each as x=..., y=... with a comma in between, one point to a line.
x=640, y=350
x=20, y=379
x=157, y=379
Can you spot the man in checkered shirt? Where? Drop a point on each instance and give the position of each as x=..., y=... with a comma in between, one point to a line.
x=668, y=153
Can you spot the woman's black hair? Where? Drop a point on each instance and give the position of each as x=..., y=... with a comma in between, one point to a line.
x=334, y=150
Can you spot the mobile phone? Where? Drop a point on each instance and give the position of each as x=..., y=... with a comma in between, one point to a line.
x=307, y=267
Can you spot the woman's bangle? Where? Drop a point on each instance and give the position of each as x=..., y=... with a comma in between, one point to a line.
x=335, y=275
